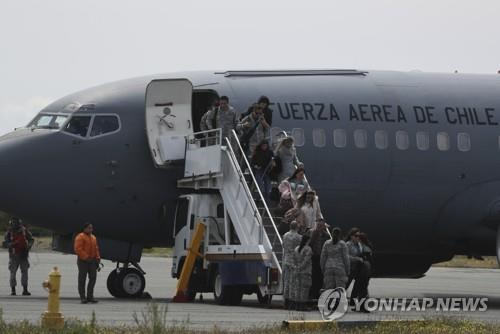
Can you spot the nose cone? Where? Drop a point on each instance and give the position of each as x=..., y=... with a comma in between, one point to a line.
x=17, y=167
x=9, y=180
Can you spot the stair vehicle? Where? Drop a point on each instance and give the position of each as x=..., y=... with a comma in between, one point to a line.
x=241, y=249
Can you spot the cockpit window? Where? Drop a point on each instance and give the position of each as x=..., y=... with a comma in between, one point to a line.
x=103, y=125
x=78, y=125
x=44, y=121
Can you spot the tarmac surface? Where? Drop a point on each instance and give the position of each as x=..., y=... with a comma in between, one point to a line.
x=439, y=282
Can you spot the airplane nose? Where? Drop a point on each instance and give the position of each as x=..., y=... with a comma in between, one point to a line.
x=11, y=169
x=5, y=183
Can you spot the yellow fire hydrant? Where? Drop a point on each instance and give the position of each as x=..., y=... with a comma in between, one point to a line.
x=52, y=318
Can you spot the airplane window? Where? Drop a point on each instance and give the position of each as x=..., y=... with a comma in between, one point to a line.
x=43, y=120
x=59, y=121
x=319, y=138
x=48, y=121
x=443, y=141
x=78, y=125
x=381, y=141
x=463, y=142
x=402, y=140
x=339, y=138
x=298, y=136
x=360, y=138
x=104, y=124
x=422, y=141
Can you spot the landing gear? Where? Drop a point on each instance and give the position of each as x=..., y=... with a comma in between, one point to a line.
x=226, y=294
x=112, y=284
x=126, y=282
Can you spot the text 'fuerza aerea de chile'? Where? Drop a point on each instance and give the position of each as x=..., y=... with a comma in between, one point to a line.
x=387, y=113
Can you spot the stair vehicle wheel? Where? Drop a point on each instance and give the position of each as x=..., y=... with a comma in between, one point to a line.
x=220, y=294
x=190, y=295
x=112, y=284
x=131, y=283
x=226, y=294
x=263, y=300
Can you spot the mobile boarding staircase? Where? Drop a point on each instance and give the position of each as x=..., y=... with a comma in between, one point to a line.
x=216, y=163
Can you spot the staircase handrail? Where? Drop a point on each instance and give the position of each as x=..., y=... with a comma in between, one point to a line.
x=248, y=193
x=233, y=133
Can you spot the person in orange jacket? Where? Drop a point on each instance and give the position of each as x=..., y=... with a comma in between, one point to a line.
x=87, y=250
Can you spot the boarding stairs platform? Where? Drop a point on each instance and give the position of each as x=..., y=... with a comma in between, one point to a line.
x=216, y=163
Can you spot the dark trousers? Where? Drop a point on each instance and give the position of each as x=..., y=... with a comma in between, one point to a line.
x=360, y=273
x=86, y=268
x=317, y=277
x=264, y=183
x=16, y=262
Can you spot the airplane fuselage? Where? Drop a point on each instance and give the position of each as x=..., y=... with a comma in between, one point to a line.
x=410, y=158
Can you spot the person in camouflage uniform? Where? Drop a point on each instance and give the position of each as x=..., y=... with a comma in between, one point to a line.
x=254, y=129
x=223, y=117
x=204, y=118
x=291, y=240
x=303, y=273
x=319, y=235
x=335, y=262
x=19, y=241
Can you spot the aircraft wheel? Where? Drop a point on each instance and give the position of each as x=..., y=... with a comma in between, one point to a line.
x=226, y=294
x=130, y=283
x=112, y=284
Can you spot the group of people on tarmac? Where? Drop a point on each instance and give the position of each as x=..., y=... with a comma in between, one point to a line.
x=316, y=258
x=19, y=241
x=314, y=262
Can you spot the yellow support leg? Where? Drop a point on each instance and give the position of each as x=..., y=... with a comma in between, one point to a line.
x=187, y=268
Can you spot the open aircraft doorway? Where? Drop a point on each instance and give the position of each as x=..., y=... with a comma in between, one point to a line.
x=168, y=118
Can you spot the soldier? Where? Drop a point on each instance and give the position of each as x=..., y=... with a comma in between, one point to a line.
x=268, y=112
x=262, y=162
x=303, y=273
x=19, y=241
x=335, y=262
x=254, y=129
x=291, y=239
x=319, y=236
x=223, y=117
x=204, y=118
x=263, y=103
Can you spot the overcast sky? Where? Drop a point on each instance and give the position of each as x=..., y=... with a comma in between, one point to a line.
x=55, y=47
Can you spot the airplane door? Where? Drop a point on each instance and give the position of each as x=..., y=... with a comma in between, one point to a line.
x=168, y=118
